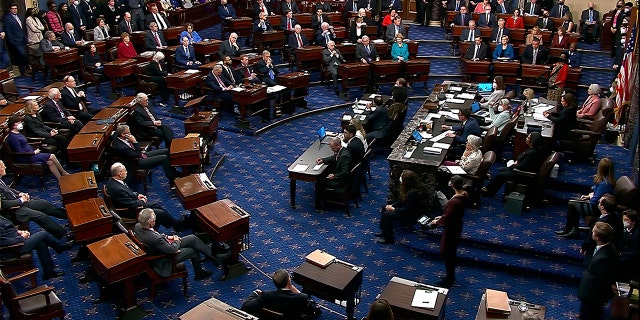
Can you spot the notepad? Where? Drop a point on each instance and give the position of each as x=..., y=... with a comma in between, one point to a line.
x=456, y=170
x=454, y=100
x=300, y=168
x=238, y=89
x=466, y=96
x=317, y=167
x=432, y=150
x=30, y=97
x=425, y=298
x=190, y=71
x=440, y=136
x=346, y=117
x=441, y=145
x=455, y=89
x=275, y=88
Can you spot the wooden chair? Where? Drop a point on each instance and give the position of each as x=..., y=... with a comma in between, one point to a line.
x=477, y=179
x=626, y=194
x=19, y=263
x=178, y=269
x=37, y=303
x=18, y=168
x=532, y=184
x=366, y=169
x=128, y=217
x=350, y=193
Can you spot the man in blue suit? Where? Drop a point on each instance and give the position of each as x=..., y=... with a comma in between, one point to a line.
x=488, y=19
x=78, y=18
x=16, y=37
x=456, y=5
x=186, y=55
x=5, y=62
x=392, y=5
x=226, y=11
x=220, y=86
x=468, y=126
x=462, y=18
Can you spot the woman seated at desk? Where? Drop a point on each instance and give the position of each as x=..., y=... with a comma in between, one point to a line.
x=18, y=144
x=191, y=34
x=591, y=105
x=407, y=209
x=358, y=30
x=399, y=49
x=567, y=23
x=497, y=94
x=101, y=31
x=469, y=162
x=91, y=60
x=500, y=115
x=515, y=21
x=35, y=127
x=564, y=120
x=504, y=51
x=560, y=39
x=125, y=48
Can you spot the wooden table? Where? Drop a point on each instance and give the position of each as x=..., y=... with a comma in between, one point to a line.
x=215, y=309
x=308, y=58
x=183, y=80
x=195, y=190
x=90, y=219
x=268, y=39
x=86, y=149
x=120, y=69
x=298, y=84
x=116, y=259
x=11, y=109
x=207, y=48
x=185, y=152
x=223, y=220
x=339, y=282
x=128, y=102
x=515, y=313
x=78, y=186
x=478, y=69
x=172, y=35
x=387, y=71
x=118, y=114
x=354, y=74
x=507, y=69
x=62, y=61
x=249, y=96
x=308, y=158
x=206, y=124
x=417, y=70
x=399, y=293
x=241, y=25
x=95, y=127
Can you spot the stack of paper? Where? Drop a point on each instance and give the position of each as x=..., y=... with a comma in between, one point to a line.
x=432, y=150
x=320, y=258
x=425, y=298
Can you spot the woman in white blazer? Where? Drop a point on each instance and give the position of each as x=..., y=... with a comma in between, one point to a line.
x=35, y=28
x=101, y=31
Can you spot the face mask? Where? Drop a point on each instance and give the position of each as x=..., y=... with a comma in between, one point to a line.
x=626, y=224
x=75, y=2
x=400, y=179
x=495, y=85
x=627, y=9
x=500, y=109
x=20, y=126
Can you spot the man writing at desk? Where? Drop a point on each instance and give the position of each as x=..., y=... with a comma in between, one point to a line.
x=468, y=126
x=339, y=164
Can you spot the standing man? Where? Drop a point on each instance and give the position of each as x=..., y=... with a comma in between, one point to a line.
x=297, y=40
x=78, y=19
x=137, y=13
x=599, y=275
x=367, y=53
x=126, y=25
x=332, y=58
x=158, y=18
x=16, y=37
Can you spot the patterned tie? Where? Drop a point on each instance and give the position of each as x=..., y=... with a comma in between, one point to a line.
x=7, y=189
x=155, y=34
x=300, y=45
x=149, y=114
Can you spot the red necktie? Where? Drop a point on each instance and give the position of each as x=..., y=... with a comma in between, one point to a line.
x=300, y=45
x=157, y=39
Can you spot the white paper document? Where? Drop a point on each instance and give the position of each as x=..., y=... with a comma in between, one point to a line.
x=301, y=167
x=456, y=170
x=190, y=71
x=275, y=88
x=346, y=117
x=540, y=117
x=454, y=100
x=466, y=96
x=239, y=89
x=440, y=136
x=455, y=89
x=441, y=145
x=425, y=298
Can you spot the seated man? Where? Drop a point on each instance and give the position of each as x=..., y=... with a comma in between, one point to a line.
x=354, y=145
x=289, y=5
x=266, y=69
x=319, y=18
x=50, y=43
x=590, y=18
x=297, y=39
x=40, y=242
x=499, y=31
x=288, y=21
x=76, y=100
x=325, y=34
x=221, y=87
x=157, y=71
x=186, y=55
x=125, y=146
x=462, y=18
x=148, y=124
x=247, y=70
x=31, y=209
x=3, y=101
x=468, y=126
x=286, y=299
x=339, y=167
x=478, y=51
x=394, y=29
x=262, y=24
x=487, y=19
x=535, y=53
x=366, y=52
x=154, y=39
x=229, y=47
x=233, y=76
x=124, y=197
x=470, y=33
x=544, y=22
x=226, y=11
x=70, y=37
x=188, y=247
x=378, y=120
x=53, y=111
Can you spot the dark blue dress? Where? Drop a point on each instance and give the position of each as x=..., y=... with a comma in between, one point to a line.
x=19, y=143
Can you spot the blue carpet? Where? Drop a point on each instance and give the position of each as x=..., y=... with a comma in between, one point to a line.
x=519, y=254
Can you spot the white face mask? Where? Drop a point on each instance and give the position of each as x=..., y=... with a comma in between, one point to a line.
x=626, y=224
x=20, y=126
x=75, y=2
x=623, y=30
x=400, y=179
x=495, y=85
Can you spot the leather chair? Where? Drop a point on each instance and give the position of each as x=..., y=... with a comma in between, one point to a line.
x=37, y=303
x=582, y=142
x=19, y=169
x=488, y=140
x=504, y=137
x=477, y=179
x=626, y=194
x=532, y=184
x=178, y=269
x=10, y=90
x=19, y=263
x=144, y=83
x=128, y=217
x=113, y=54
x=510, y=95
x=90, y=78
x=351, y=192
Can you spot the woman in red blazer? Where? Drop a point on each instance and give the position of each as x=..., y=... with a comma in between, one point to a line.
x=560, y=40
x=515, y=21
x=125, y=48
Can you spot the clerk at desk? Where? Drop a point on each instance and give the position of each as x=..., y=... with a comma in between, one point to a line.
x=339, y=166
x=468, y=126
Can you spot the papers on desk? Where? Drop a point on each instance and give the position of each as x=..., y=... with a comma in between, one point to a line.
x=454, y=100
x=190, y=71
x=418, y=285
x=238, y=89
x=440, y=136
x=540, y=108
x=466, y=96
x=456, y=170
x=358, y=111
x=147, y=54
x=320, y=258
x=455, y=89
x=30, y=97
x=449, y=95
x=373, y=95
x=377, y=41
x=432, y=116
x=363, y=103
x=425, y=298
x=205, y=180
x=300, y=167
x=432, y=150
x=441, y=145
x=540, y=117
x=275, y=88
x=346, y=117
x=425, y=135
x=409, y=152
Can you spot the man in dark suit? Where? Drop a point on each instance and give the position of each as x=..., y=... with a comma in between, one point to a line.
x=78, y=18
x=16, y=37
x=262, y=23
x=544, y=22
x=325, y=34
x=261, y=6
x=497, y=33
x=126, y=25
x=575, y=57
x=590, y=18
x=157, y=17
x=487, y=19
x=154, y=39
x=76, y=100
x=289, y=5
x=288, y=22
x=478, y=51
x=89, y=10
x=378, y=121
x=157, y=72
x=148, y=124
x=325, y=6
x=468, y=126
x=247, y=70
x=298, y=40
x=339, y=167
x=31, y=209
x=535, y=53
x=462, y=18
x=332, y=58
x=607, y=209
x=186, y=55
x=136, y=8
x=70, y=37
x=185, y=248
x=351, y=5
x=502, y=7
x=532, y=8
x=469, y=33
x=392, y=5
x=220, y=86
x=531, y=160
x=366, y=52
x=629, y=262
x=599, y=275
x=234, y=77
x=226, y=11
x=125, y=146
x=395, y=28
x=318, y=18
x=559, y=9
x=5, y=61
x=456, y=5
x=354, y=144
x=53, y=111
x=286, y=299
x=229, y=47
x=369, y=5
x=50, y=43
x=266, y=69
x=124, y=197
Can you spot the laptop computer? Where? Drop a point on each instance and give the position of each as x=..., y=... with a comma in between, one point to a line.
x=322, y=135
x=485, y=87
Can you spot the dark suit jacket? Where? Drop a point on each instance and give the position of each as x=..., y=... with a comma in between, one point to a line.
x=392, y=5
x=494, y=33
x=575, y=58
x=555, y=11
x=340, y=169
x=263, y=70
x=315, y=22
x=505, y=10
x=182, y=58
x=50, y=113
x=531, y=159
x=90, y=60
x=332, y=63
x=483, y=52
x=356, y=148
x=151, y=18
x=326, y=7
x=35, y=127
x=291, y=6
x=226, y=49
x=150, y=41
x=229, y=13
x=390, y=34
x=141, y=118
x=379, y=121
x=361, y=52
x=470, y=127
x=459, y=21
x=629, y=252
x=235, y=80
x=47, y=46
x=464, y=36
x=123, y=150
x=584, y=16
x=153, y=71
x=212, y=83
x=290, y=304
x=321, y=40
x=246, y=72
x=122, y=27
x=367, y=4
x=157, y=244
x=7, y=199
x=349, y=5
x=451, y=6
x=78, y=18
x=536, y=10
x=599, y=275
x=122, y=196
x=564, y=121
x=258, y=28
x=545, y=26
x=527, y=55
x=293, y=41
x=69, y=101
x=14, y=34
x=483, y=22
x=67, y=40
x=256, y=8
x=283, y=23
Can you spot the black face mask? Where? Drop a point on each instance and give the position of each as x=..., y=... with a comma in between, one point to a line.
x=618, y=6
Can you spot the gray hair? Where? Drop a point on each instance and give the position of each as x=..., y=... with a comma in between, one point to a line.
x=145, y=217
x=48, y=34
x=116, y=168
x=121, y=129
x=140, y=96
x=474, y=141
x=158, y=56
x=53, y=92
x=595, y=88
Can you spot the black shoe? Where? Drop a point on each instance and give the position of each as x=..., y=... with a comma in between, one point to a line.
x=203, y=274
x=562, y=232
x=53, y=274
x=64, y=246
x=384, y=241
x=445, y=283
x=573, y=234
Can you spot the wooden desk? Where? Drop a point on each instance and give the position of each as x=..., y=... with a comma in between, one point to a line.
x=241, y=26
x=185, y=152
x=122, y=70
x=522, y=131
x=478, y=69
x=183, y=80
x=268, y=39
x=516, y=314
x=11, y=109
x=399, y=293
x=90, y=219
x=78, y=186
x=117, y=113
x=250, y=95
x=348, y=51
x=206, y=124
x=507, y=69
x=86, y=149
x=307, y=58
x=304, y=19
x=386, y=71
x=225, y=221
x=530, y=72
x=215, y=309
x=4, y=74
x=137, y=38
x=195, y=190
x=298, y=83
x=307, y=158
x=128, y=102
x=57, y=85
x=172, y=35
x=354, y=74
x=340, y=281
x=206, y=48
x=94, y=127
x=62, y=61
x=117, y=258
